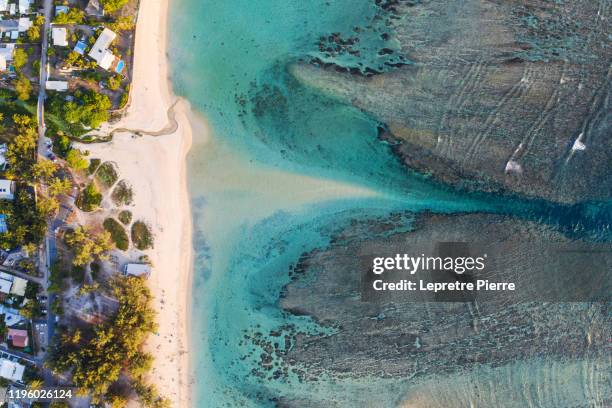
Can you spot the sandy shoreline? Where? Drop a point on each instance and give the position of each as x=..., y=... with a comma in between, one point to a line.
x=156, y=168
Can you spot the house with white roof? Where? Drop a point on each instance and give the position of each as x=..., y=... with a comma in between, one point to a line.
x=11, y=370
x=12, y=9
x=59, y=36
x=24, y=24
x=135, y=269
x=24, y=6
x=100, y=52
x=4, y=6
x=19, y=286
x=60, y=86
x=6, y=55
x=7, y=189
x=5, y=286
x=3, y=149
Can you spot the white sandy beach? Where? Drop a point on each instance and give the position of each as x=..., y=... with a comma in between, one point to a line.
x=156, y=168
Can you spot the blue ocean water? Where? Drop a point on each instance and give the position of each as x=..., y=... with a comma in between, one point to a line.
x=284, y=168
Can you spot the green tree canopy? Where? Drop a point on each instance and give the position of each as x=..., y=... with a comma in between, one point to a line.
x=76, y=159
x=20, y=58
x=91, y=109
x=97, y=359
x=23, y=87
x=112, y=5
x=73, y=16
x=88, y=246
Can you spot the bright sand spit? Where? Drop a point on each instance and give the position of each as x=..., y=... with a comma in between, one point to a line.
x=156, y=168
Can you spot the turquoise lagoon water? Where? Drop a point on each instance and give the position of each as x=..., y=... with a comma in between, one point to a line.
x=285, y=167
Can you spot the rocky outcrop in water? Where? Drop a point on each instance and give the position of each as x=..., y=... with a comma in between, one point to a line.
x=500, y=96
x=436, y=347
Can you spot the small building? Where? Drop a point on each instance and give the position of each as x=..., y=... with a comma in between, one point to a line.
x=12, y=258
x=18, y=338
x=7, y=189
x=100, y=52
x=3, y=146
x=60, y=86
x=19, y=286
x=80, y=47
x=135, y=269
x=11, y=370
x=6, y=55
x=3, y=226
x=9, y=25
x=4, y=6
x=24, y=6
x=59, y=36
x=23, y=24
x=94, y=8
x=61, y=9
x=11, y=316
x=12, y=9
x=5, y=286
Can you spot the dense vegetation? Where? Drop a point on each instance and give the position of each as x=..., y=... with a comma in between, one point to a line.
x=88, y=109
x=107, y=174
x=33, y=33
x=122, y=194
x=98, y=357
x=141, y=236
x=93, y=166
x=90, y=198
x=26, y=225
x=23, y=87
x=76, y=159
x=118, y=234
x=112, y=5
x=87, y=245
x=125, y=217
x=73, y=16
x=25, y=219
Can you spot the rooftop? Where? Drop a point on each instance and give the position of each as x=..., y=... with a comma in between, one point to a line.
x=59, y=36
x=135, y=269
x=100, y=52
x=11, y=370
x=57, y=85
x=19, y=338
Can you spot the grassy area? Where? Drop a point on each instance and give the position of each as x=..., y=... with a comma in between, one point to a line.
x=118, y=234
x=122, y=194
x=89, y=199
x=106, y=174
x=125, y=217
x=141, y=236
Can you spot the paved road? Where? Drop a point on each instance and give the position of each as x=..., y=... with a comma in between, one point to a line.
x=49, y=250
x=47, y=7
